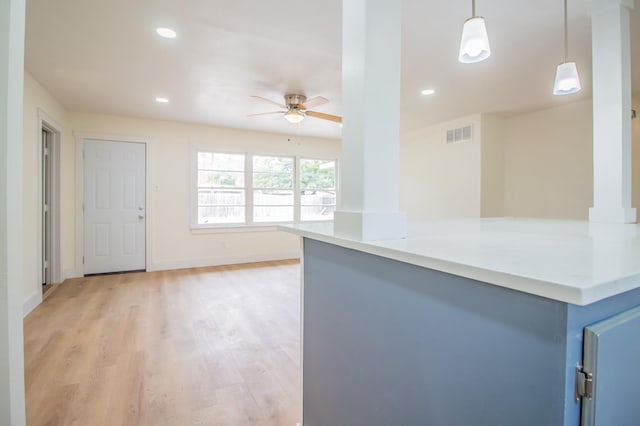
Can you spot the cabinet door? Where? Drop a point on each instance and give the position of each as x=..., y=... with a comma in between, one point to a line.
x=612, y=354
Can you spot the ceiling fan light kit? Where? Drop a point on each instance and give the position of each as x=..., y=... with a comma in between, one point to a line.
x=294, y=116
x=474, y=44
x=567, y=80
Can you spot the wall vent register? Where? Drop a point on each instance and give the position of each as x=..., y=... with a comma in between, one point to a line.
x=460, y=134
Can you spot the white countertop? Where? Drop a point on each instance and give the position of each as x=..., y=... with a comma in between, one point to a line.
x=570, y=261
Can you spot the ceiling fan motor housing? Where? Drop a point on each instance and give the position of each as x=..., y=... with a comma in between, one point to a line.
x=294, y=101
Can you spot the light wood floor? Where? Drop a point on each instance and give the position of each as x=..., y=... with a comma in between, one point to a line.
x=207, y=346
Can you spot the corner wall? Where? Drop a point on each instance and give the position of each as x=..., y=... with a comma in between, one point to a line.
x=492, y=163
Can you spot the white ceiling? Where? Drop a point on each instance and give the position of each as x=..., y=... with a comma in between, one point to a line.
x=105, y=57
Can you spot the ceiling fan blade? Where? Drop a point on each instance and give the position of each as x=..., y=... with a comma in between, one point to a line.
x=324, y=116
x=266, y=113
x=268, y=100
x=314, y=102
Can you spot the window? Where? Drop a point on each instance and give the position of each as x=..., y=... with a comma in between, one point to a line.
x=221, y=188
x=272, y=189
x=317, y=189
x=248, y=189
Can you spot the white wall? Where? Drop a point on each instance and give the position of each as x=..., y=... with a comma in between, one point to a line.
x=173, y=243
x=548, y=163
x=440, y=180
x=12, y=404
x=37, y=98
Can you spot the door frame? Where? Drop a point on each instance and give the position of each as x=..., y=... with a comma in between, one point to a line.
x=80, y=140
x=47, y=122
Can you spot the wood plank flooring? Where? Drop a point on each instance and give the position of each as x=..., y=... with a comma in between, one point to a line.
x=206, y=346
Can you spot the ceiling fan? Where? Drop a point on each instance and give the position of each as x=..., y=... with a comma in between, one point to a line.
x=296, y=108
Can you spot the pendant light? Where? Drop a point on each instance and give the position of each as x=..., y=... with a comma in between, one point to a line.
x=567, y=78
x=474, y=45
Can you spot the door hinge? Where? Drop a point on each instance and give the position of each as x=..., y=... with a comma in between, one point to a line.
x=584, y=383
x=83, y=260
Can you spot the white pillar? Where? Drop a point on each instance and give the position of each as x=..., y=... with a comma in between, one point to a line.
x=369, y=169
x=12, y=405
x=611, y=44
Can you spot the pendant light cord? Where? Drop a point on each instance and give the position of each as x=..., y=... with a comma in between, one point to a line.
x=566, y=32
x=473, y=8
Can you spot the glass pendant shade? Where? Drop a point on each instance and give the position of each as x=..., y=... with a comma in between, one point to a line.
x=474, y=45
x=567, y=79
x=294, y=116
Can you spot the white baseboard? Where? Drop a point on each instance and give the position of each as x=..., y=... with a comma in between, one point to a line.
x=70, y=273
x=218, y=261
x=32, y=301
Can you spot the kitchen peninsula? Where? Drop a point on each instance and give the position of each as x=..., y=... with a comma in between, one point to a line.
x=475, y=321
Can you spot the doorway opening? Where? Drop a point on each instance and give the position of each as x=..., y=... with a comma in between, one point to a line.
x=49, y=202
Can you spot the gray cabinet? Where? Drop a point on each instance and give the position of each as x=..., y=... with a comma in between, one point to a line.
x=612, y=356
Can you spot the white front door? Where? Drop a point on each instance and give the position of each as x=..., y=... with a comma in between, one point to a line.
x=114, y=206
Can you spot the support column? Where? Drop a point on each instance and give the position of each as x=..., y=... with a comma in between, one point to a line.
x=369, y=170
x=12, y=401
x=611, y=44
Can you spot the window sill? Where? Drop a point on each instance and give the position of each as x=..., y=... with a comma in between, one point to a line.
x=233, y=229
x=238, y=229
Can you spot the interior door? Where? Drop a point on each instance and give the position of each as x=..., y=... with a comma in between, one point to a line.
x=114, y=206
x=612, y=354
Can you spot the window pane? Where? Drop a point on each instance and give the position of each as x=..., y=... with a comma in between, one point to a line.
x=216, y=203
x=317, y=212
x=317, y=205
x=273, y=202
x=272, y=180
x=272, y=213
x=220, y=214
x=263, y=197
x=220, y=179
x=272, y=172
x=317, y=174
x=272, y=164
x=318, y=198
x=217, y=161
x=220, y=197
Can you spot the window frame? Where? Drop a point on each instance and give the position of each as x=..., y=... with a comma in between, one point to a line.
x=194, y=189
x=249, y=225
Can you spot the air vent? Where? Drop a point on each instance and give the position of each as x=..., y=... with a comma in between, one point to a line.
x=460, y=134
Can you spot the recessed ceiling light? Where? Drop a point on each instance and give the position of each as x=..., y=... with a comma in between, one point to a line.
x=162, y=100
x=428, y=92
x=166, y=32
